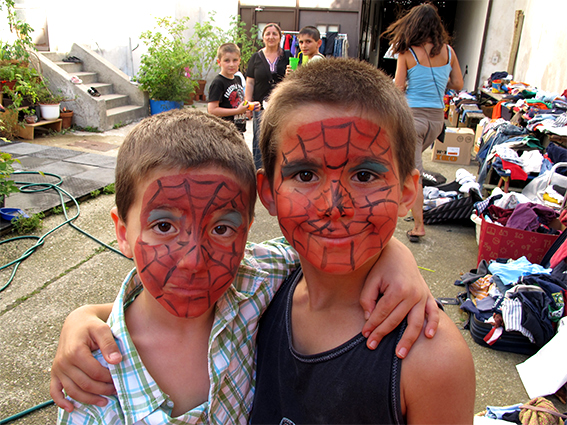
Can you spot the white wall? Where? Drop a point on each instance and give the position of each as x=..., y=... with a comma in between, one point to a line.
x=107, y=26
x=541, y=61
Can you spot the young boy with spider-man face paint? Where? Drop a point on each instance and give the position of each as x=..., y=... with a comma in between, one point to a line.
x=338, y=173
x=186, y=318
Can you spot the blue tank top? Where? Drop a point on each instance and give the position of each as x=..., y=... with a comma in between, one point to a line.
x=346, y=385
x=426, y=85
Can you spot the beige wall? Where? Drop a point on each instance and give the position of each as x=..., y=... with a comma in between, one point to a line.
x=467, y=38
x=541, y=60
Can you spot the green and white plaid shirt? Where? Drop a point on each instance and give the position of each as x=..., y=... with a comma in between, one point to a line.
x=231, y=351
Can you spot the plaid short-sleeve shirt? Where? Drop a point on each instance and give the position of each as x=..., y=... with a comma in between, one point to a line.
x=231, y=351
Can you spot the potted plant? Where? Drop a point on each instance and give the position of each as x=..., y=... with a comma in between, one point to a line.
x=19, y=49
x=247, y=40
x=207, y=37
x=7, y=186
x=67, y=117
x=49, y=103
x=162, y=69
x=8, y=75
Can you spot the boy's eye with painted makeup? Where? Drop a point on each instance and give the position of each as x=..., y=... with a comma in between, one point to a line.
x=163, y=227
x=305, y=176
x=223, y=230
x=364, y=176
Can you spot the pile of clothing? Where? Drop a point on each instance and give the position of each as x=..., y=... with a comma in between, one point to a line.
x=516, y=211
x=451, y=201
x=516, y=296
x=499, y=138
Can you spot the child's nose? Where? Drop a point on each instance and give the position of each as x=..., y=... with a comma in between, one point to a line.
x=338, y=203
x=194, y=259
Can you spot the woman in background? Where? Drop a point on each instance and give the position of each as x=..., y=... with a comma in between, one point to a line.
x=266, y=68
x=426, y=67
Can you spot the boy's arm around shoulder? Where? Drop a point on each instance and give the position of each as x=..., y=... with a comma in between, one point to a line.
x=393, y=290
x=438, y=378
x=275, y=257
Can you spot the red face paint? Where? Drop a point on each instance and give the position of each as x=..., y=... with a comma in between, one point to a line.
x=192, y=239
x=336, y=192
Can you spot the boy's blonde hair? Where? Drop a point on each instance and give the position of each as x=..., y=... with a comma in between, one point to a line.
x=179, y=140
x=227, y=48
x=346, y=83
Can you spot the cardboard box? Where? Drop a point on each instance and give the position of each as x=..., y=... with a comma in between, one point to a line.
x=477, y=136
x=457, y=146
x=487, y=110
x=453, y=115
x=505, y=242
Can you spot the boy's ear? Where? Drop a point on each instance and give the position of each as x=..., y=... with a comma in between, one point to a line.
x=409, y=193
x=265, y=192
x=120, y=228
x=319, y=43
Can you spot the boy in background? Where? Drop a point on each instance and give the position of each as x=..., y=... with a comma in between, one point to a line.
x=339, y=171
x=309, y=43
x=185, y=320
x=226, y=92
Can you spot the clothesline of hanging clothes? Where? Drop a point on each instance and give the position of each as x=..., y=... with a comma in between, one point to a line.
x=333, y=43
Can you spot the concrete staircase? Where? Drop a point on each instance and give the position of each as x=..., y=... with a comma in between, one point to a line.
x=120, y=103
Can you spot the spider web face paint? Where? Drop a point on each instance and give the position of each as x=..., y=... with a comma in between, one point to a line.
x=336, y=192
x=192, y=239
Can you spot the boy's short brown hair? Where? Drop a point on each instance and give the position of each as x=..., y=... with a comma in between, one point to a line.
x=347, y=83
x=181, y=139
x=227, y=48
x=310, y=31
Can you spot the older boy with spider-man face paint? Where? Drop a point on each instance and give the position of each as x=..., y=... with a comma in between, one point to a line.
x=336, y=191
x=337, y=144
x=186, y=318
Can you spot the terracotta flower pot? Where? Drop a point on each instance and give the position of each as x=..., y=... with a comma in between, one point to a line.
x=67, y=117
x=201, y=89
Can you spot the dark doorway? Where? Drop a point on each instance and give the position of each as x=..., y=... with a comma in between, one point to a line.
x=377, y=15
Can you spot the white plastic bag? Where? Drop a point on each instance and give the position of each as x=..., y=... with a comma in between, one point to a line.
x=535, y=189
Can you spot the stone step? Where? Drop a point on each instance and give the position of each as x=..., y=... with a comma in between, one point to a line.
x=123, y=115
x=115, y=100
x=103, y=88
x=86, y=76
x=69, y=67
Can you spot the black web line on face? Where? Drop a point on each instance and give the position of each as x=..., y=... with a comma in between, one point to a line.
x=339, y=193
x=151, y=254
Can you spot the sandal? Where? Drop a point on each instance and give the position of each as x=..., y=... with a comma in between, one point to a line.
x=412, y=238
x=93, y=92
x=72, y=59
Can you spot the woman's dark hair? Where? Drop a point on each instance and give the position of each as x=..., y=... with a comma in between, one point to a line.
x=420, y=25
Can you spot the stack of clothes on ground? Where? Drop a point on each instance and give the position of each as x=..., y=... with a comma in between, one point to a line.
x=451, y=201
x=514, y=297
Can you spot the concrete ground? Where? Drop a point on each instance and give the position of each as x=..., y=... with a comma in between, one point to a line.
x=70, y=270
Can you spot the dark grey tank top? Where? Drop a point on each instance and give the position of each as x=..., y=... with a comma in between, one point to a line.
x=349, y=384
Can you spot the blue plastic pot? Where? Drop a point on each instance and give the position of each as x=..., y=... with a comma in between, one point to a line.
x=157, y=106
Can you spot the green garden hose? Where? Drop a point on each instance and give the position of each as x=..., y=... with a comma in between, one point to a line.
x=31, y=187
